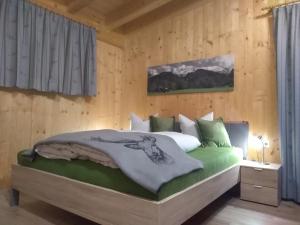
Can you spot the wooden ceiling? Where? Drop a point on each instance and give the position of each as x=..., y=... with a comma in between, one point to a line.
x=107, y=16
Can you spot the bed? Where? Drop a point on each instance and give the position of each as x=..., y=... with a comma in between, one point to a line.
x=106, y=196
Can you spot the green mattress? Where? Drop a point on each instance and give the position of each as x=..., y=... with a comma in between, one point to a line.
x=214, y=160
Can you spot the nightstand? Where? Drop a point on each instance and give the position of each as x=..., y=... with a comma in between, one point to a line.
x=260, y=183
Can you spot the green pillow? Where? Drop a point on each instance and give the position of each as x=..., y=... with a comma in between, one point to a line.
x=213, y=133
x=158, y=124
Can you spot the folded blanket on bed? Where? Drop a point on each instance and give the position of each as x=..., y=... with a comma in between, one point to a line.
x=75, y=151
x=149, y=159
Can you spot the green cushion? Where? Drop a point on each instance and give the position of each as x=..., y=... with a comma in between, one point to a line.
x=213, y=133
x=158, y=124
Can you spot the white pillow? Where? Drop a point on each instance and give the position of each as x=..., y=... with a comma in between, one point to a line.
x=184, y=141
x=137, y=124
x=189, y=127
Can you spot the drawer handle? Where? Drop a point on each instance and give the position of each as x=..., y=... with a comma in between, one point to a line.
x=258, y=186
x=258, y=169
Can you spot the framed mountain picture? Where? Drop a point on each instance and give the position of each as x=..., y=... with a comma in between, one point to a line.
x=204, y=75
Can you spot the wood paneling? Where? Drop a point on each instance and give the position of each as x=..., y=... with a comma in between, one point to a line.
x=26, y=117
x=200, y=29
x=130, y=12
x=78, y=5
x=105, y=7
x=185, y=30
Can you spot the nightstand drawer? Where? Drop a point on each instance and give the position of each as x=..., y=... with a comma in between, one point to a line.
x=259, y=194
x=259, y=176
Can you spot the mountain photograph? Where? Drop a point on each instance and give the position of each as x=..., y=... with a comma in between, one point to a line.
x=206, y=75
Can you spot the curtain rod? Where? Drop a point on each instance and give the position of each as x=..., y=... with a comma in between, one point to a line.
x=280, y=5
x=63, y=14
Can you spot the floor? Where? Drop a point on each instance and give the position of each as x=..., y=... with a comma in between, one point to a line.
x=227, y=210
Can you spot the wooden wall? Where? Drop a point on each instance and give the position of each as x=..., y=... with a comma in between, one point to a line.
x=26, y=117
x=200, y=29
x=189, y=29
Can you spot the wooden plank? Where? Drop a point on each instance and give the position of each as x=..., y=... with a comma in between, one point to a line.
x=78, y=5
x=180, y=207
x=127, y=14
x=110, y=37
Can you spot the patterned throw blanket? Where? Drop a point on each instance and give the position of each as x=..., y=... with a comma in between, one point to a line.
x=149, y=159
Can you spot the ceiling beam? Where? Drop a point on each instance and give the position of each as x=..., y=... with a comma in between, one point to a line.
x=77, y=5
x=132, y=11
x=103, y=33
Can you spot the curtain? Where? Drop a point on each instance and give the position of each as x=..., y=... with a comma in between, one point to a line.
x=287, y=38
x=44, y=51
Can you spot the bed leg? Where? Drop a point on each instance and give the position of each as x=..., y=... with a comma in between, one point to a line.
x=14, y=197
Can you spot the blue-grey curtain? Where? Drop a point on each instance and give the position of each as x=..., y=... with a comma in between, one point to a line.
x=44, y=51
x=287, y=37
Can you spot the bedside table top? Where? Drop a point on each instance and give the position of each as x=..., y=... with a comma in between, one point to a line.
x=254, y=164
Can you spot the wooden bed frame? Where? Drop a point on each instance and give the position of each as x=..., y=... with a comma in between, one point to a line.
x=109, y=207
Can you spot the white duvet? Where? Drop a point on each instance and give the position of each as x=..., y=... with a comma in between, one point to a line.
x=184, y=141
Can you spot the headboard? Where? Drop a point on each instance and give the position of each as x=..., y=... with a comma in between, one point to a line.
x=238, y=133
